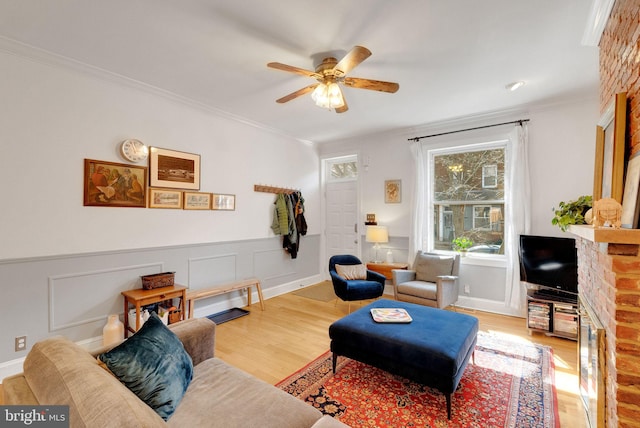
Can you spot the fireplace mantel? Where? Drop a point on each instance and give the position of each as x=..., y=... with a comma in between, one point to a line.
x=606, y=234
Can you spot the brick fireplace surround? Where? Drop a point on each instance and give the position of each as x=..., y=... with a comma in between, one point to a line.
x=609, y=280
x=609, y=272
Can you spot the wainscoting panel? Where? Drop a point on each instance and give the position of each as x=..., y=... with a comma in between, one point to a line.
x=211, y=270
x=65, y=309
x=272, y=264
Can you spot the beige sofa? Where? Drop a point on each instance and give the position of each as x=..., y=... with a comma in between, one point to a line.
x=59, y=372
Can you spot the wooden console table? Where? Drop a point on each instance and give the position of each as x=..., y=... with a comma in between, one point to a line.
x=216, y=290
x=141, y=297
x=386, y=268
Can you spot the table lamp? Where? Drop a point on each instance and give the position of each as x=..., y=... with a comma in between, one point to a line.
x=377, y=234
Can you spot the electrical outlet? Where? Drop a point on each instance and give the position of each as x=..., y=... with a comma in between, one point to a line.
x=21, y=343
x=467, y=289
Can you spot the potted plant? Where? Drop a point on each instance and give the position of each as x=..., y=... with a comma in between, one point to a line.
x=461, y=244
x=571, y=212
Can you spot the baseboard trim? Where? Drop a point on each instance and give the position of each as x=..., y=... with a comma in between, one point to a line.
x=486, y=305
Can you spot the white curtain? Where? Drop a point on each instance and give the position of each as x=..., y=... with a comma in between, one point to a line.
x=517, y=215
x=419, y=201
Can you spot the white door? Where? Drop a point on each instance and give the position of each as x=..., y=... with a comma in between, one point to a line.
x=341, y=211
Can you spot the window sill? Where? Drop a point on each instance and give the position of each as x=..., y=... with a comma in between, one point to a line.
x=499, y=261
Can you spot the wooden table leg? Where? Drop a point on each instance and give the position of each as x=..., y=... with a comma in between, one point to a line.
x=126, y=318
x=259, y=288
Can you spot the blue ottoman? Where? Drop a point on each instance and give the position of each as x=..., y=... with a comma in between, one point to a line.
x=433, y=349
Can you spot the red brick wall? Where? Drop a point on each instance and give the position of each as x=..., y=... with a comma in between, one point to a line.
x=620, y=64
x=610, y=275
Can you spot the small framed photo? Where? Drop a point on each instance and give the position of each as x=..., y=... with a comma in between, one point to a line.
x=109, y=184
x=173, y=169
x=223, y=202
x=197, y=201
x=392, y=191
x=165, y=198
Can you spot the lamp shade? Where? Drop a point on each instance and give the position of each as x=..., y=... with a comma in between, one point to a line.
x=377, y=234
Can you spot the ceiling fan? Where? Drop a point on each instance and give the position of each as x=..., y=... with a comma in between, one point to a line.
x=330, y=73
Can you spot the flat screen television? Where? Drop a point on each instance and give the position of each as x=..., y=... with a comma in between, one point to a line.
x=549, y=261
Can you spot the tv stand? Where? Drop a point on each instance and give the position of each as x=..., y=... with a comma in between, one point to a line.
x=552, y=312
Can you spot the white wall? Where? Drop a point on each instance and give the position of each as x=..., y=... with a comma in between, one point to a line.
x=54, y=117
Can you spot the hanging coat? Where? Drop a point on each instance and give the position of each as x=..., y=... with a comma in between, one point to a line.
x=280, y=224
x=291, y=242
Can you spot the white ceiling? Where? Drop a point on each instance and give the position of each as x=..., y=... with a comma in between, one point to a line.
x=452, y=58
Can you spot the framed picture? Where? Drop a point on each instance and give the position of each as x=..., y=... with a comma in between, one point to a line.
x=223, y=202
x=172, y=169
x=108, y=184
x=630, y=200
x=392, y=191
x=197, y=201
x=165, y=198
x=610, y=149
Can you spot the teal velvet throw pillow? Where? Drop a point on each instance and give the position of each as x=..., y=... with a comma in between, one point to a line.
x=154, y=365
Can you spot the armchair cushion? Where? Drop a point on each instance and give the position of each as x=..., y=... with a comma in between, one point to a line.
x=352, y=271
x=421, y=289
x=429, y=267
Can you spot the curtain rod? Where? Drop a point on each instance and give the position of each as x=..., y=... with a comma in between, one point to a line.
x=469, y=129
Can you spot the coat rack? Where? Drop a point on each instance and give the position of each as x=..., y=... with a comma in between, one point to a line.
x=273, y=189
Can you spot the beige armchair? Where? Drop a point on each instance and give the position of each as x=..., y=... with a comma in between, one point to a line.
x=432, y=281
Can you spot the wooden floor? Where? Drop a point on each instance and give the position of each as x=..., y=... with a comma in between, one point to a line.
x=293, y=331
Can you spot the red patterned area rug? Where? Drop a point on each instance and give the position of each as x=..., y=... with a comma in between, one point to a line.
x=511, y=384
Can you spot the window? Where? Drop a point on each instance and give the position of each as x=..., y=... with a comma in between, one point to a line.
x=467, y=194
x=481, y=219
x=489, y=176
x=340, y=169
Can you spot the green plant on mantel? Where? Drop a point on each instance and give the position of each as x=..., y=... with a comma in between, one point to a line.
x=461, y=243
x=571, y=212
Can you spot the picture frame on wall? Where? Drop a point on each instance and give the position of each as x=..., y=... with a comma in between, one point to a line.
x=223, y=202
x=630, y=199
x=174, y=169
x=610, y=151
x=392, y=191
x=197, y=201
x=110, y=184
x=165, y=198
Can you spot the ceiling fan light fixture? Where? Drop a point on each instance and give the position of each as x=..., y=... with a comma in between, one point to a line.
x=328, y=96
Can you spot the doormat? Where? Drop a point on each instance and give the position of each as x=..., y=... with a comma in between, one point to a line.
x=228, y=315
x=322, y=291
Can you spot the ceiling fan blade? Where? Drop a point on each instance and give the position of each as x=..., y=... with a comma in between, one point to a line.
x=344, y=108
x=296, y=70
x=296, y=94
x=351, y=60
x=373, y=85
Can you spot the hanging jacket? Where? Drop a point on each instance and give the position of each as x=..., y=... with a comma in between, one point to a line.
x=280, y=224
x=291, y=242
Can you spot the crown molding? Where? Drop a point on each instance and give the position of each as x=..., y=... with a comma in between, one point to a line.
x=41, y=56
x=597, y=20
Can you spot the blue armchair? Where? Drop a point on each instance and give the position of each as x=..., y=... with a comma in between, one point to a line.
x=350, y=290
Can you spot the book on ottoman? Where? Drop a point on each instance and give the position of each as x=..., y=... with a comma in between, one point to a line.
x=398, y=315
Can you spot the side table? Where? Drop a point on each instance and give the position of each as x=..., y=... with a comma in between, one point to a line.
x=141, y=297
x=386, y=268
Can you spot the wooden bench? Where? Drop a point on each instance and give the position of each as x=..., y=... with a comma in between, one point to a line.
x=216, y=290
